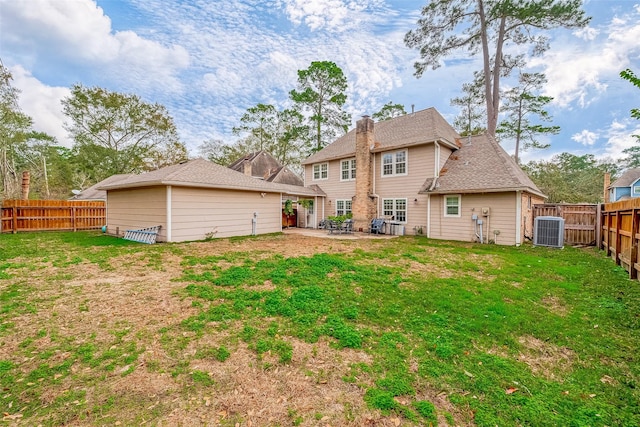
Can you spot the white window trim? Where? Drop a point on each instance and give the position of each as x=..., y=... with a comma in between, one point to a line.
x=345, y=208
x=350, y=169
x=393, y=164
x=444, y=202
x=395, y=214
x=313, y=171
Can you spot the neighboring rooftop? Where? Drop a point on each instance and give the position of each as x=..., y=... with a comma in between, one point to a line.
x=480, y=166
x=262, y=165
x=93, y=192
x=421, y=127
x=627, y=178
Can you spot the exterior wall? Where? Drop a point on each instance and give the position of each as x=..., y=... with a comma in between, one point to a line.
x=137, y=208
x=333, y=187
x=620, y=192
x=197, y=211
x=528, y=200
x=502, y=217
x=420, y=166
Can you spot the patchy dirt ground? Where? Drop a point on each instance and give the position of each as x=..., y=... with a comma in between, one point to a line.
x=84, y=304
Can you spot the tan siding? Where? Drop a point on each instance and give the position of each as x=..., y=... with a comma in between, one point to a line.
x=333, y=187
x=420, y=167
x=502, y=217
x=137, y=208
x=197, y=212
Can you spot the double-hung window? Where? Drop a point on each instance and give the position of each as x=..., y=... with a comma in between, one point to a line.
x=320, y=171
x=394, y=163
x=395, y=208
x=452, y=205
x=343, y=207
x=348, y=170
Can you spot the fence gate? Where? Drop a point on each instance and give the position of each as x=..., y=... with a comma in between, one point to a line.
x=580, y=221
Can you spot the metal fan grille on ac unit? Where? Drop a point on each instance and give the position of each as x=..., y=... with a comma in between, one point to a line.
x=548, y=231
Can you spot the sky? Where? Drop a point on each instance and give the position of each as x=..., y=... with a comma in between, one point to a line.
x=208, y=61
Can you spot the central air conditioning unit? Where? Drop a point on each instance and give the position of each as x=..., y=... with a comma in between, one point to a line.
x=548, y=231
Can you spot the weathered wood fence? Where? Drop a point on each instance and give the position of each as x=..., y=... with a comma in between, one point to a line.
x=41, y=215
x=620, y=233
x=580, y=221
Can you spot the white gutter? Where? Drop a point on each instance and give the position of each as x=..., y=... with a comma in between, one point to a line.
x=436, y=161
x=169, y=213
x=518, y=217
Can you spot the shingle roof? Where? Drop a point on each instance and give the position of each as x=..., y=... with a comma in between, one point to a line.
x=417, y=128
x=480, y=166
x=629, y=177
x=205, y=174
x=94, y=192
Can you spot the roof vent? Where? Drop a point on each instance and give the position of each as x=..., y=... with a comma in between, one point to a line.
x=548, y=231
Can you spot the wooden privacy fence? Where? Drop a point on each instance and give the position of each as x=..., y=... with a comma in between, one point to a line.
x=41, y=215
x=620, y=234
x=580, y=221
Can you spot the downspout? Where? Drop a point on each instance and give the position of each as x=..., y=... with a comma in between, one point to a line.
x=169, y=213
x=518, y=217
x=429, y=215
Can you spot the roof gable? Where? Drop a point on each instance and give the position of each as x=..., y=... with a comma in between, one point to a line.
x=480, y=165
x=627, y=179
x=421, y=127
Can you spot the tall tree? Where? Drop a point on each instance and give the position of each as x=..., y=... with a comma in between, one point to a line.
x=521, y=105
x=472, y=105
x=571, y=179
x=486, y=27
x=116, y=133
x=16, y=137
x=389, y=111
x=321, y=91
x=633, y=153
x=282, y=133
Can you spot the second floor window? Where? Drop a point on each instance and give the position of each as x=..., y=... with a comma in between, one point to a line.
x=320, y=171
x=394, y=163
x=348, y=170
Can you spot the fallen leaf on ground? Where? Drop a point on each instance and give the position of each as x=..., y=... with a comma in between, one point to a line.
x=511, y=390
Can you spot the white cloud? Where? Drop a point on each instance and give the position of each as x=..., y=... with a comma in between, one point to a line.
x=330, y=15
x=620, y=136
x=80, y=31
x=586, y=33
x=585, y=137
x=579, y=72
x=42, y=104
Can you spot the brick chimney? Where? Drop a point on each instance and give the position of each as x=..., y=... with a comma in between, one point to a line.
x=607, y=184
x=246, y=167
x=363, y=207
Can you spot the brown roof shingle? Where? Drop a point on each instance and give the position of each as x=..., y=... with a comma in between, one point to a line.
x=480, y=166
x=202, y=173
x=417, y=128
x=627, y=178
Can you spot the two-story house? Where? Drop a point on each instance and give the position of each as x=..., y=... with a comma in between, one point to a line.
x=421, y=176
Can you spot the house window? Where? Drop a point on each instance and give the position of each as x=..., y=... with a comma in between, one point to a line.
x=636, y=190
x=452, y=205
x=394, y=163
x=343, y=207
x=395, y=208
x=320, y=171
x=348, y=170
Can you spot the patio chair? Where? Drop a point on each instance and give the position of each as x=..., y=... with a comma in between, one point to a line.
x=377, y=226
x=332, y=226
x=347, y=227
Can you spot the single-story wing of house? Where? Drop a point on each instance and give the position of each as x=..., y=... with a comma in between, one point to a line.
x=198, y=199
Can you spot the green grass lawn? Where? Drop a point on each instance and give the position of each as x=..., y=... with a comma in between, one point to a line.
x=95, y=330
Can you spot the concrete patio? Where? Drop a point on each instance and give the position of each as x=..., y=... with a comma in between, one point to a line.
x=311, y=232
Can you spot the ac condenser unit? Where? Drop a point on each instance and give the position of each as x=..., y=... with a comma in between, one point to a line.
x=548, y=231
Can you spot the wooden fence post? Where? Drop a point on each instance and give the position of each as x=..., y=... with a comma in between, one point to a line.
x=599, y=226
x=73, y=218
x=618, y=238
x=633, y=257
x=15, y=219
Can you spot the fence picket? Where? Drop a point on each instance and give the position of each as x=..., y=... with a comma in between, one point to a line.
x=40, y=215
